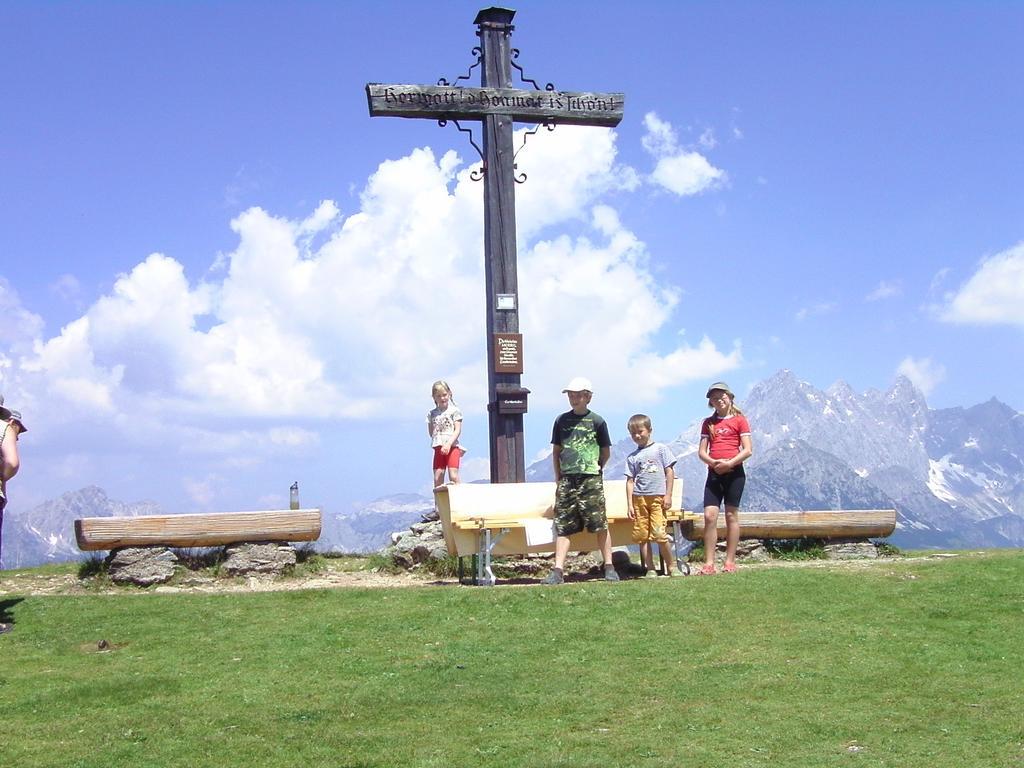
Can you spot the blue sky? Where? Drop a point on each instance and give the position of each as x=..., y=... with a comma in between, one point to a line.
x=218, y=274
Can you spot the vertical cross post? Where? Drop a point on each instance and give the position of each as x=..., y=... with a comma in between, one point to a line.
x=506, y=429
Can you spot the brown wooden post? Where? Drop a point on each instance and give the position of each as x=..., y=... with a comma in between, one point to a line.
x=506, y=429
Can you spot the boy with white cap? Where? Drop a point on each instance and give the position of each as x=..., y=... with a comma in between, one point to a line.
x=580, y=447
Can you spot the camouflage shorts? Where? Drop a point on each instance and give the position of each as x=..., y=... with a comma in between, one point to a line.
x=579, y=504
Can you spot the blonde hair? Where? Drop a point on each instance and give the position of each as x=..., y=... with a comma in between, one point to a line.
x=440, y=386
x=638, y=420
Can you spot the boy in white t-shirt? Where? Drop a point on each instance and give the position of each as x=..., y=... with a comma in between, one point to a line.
x=649, y=479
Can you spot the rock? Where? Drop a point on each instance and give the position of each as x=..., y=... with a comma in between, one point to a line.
x=853, y=549
x=141, y=565
x=263, y=557
x=422, y=542
x=752, y=550
x=526, y=565
x=747, y=550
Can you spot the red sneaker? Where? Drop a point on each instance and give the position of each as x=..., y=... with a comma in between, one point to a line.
x=729, y=567
x=707, y=570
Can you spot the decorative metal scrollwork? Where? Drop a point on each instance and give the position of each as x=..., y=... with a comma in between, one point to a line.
x=522, y=73
x=474, y=175
x=479, y=53
x=550, y=125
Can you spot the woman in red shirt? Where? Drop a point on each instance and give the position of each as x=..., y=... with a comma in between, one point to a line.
x=724, y=446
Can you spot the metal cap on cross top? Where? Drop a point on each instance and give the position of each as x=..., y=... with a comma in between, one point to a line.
x=496, y=105
x=494, y=15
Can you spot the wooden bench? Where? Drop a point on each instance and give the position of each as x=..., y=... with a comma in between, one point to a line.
x=203, y=530
x=518, y=519
x=816, y=524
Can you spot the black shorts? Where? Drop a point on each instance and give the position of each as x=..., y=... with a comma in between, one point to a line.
x=727, y=487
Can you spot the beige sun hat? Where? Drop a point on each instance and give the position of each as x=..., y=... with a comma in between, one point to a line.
x=722, y=386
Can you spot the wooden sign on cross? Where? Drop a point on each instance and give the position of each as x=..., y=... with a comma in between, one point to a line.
x=497, y=105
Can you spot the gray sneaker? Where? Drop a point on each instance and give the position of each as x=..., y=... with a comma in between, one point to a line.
x=651, y=574
x=610, y=574
x=555, y=577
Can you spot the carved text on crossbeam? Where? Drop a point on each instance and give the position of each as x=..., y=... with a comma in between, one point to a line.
x=452, y=103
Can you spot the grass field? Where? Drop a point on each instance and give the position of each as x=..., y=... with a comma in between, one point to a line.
x=907, y=662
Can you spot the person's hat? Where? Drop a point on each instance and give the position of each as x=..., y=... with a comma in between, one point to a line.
x=722, y=386
x=579, y=384
x=6, y=414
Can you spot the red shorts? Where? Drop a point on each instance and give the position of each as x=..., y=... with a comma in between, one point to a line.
x=447, y=461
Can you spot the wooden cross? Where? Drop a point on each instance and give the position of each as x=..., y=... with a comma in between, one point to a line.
x=497, y=105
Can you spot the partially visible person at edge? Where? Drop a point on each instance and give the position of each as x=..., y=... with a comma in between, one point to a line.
x=580, y=447
x=444, y=425
x=10, y=463
x=724, y=446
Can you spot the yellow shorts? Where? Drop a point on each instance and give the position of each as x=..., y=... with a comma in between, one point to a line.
x=649, y=524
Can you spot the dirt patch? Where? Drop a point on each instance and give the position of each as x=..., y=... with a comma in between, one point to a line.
x=33, y=583
x=29, y=583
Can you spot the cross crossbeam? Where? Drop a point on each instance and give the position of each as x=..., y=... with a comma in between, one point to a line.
x=454, y=103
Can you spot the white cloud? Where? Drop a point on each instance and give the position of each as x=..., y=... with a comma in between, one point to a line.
x=681, y=171
x=335, y=316
x=660, y=138
x=820, y=308
x=20, y=327
x=924, y=372
x=202, y=491
x=994, y=295
x=884, y=290
x=707, y=139
x=473, y=468
x=325, y=213
x=593, y=301
x=938, y=279
x=67, y=288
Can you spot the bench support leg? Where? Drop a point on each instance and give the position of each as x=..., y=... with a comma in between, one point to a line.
x=484, y=573
x=682, y=547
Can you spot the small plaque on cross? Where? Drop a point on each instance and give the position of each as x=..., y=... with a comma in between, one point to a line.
x=508, y=352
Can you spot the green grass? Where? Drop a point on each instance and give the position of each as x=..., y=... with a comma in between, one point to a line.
x=915, y=662
x=796, y=549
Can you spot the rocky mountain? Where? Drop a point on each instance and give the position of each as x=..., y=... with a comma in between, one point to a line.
x=47, y=532
x=369, y=528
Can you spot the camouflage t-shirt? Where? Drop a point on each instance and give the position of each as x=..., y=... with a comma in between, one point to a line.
x=581, y=438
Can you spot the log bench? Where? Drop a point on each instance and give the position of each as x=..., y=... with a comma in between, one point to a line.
x=814, y=524
x=202, y=530
x=518, y=518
